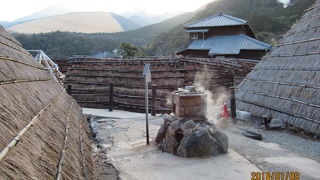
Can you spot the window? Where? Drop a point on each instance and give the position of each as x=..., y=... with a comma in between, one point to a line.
x=194, y=35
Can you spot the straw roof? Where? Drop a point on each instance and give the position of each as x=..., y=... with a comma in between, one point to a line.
x=286, y=83
x=43, y=132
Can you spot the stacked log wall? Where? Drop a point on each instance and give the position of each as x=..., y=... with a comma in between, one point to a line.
x=90, y=79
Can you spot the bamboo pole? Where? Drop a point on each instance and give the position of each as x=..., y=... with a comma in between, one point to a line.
x=22, y=81
x=20, y=62
x=303, y=31
x=297, y=42
x=64, y=147
x=293, y=55
x=17, y=138
x=282, y=83
x=10, y=39
x=289, y=113
x=17, y=49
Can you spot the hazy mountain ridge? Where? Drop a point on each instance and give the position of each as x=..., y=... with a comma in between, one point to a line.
x=85, y=22
x=47, y=12
x=63, y=44
x=144, y=19
x=125, y=23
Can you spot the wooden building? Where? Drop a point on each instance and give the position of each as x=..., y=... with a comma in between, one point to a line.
x=223, y=35
x=286, y=84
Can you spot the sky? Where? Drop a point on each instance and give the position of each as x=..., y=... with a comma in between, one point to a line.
x=14, y=9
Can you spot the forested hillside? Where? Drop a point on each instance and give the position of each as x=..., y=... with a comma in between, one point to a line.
x=269, y=19
x=60, y=44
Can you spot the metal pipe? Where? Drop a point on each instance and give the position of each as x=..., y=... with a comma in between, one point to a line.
x=147, y=109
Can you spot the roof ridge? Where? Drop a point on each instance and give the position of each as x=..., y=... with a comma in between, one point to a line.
x=219, y=14
x=188, y=24
x=235, y=18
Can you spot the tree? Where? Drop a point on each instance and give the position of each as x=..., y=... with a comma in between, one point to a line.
x=127, y=50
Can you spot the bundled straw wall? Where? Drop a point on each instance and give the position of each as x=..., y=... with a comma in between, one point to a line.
x=43, y=132
x=286, y=83
x=90, y=78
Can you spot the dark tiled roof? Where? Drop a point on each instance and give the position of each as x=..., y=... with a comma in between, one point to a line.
x=231, y=44
x=217, y=20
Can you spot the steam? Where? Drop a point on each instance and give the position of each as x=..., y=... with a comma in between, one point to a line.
x=215, y=97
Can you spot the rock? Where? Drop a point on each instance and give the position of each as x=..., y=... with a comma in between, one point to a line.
x=171, y=142
x=161, y=133
x=223, y=141
x=199, y=143
x=187, y=127
x=196, y=128
x=187, y=132
x=168, y=118
x=212, y=131
x=277, y=124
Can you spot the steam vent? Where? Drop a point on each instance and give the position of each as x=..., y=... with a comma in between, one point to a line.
x=188, y=133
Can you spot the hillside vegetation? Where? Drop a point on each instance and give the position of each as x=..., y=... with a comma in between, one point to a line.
x=269, y=20
x=61, y=44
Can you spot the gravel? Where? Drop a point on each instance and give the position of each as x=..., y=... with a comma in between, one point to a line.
x=274, y=144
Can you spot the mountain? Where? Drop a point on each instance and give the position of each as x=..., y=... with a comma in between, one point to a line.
x=63, y=44
x=269, y=19
x=4, y=23
x=150, y=32
x=144, y=18
x=47, y=12
x=125, y=23
x=84, y=22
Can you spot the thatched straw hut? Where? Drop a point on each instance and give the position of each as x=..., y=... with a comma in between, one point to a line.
x=286, y=83
x=43, y=132
x=90, y=78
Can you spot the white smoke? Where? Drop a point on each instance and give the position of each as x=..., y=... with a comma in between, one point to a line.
x=216, y=96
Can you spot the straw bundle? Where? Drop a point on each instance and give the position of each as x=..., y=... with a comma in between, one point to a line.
x=43, y=132
x=286, y=83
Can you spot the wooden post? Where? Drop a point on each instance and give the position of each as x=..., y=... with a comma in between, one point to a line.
x=153, y=101
x=233, y=105
x=69, y=89
x=111, y=97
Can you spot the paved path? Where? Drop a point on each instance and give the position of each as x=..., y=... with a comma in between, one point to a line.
x=124, y=136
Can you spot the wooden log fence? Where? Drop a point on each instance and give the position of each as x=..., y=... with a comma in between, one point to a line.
x=111, y=103
x=91, y=78
x=111, y=97
x=233, y=105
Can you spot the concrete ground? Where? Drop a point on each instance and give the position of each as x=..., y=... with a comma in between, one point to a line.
x=121, y=135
